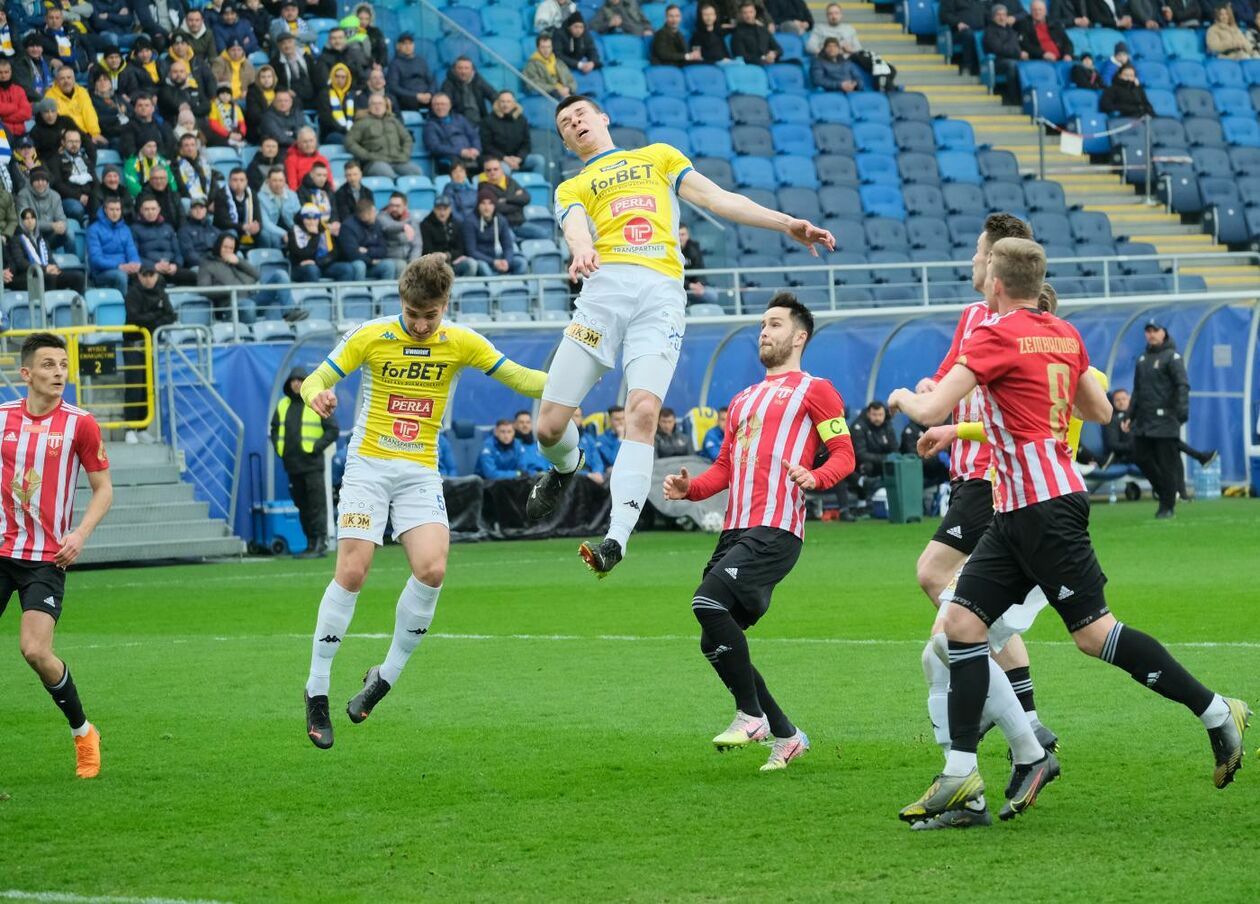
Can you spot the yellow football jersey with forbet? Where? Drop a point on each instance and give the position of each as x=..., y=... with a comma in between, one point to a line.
x=630, y=199
x=407, y=383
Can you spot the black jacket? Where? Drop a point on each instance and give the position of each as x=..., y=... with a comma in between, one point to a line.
x=1086, y=78
x=711, y=45
x=447, y=237
x=510, y=200
x=1064, y=13
x=472, y=100
x=974, y=13
x=1161, y=392
x=505, y=136
x=1027, y=30
x=345, y=199
x=1116, y=441
x=1101, y=15
x=672, y=445
x=573, y=50
x=1003, y=43
x=752, y=42
x=296, y=461
x=1125, y=99
x=788, y=10
x=872, y=444
x=149, y=308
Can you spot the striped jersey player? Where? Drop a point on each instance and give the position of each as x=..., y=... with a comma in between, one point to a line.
x=44, y=442
x=773, y=430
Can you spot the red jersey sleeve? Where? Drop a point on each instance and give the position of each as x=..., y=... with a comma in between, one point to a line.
x=826, y=410
x=716, y=477
x=990, y=353
x=88, y=445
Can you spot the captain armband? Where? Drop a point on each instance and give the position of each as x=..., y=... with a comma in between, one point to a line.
x=973, y=431
x=831, y=429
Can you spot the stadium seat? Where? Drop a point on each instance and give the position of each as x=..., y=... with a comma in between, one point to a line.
x=1153, y=74
x=1195, y=102
x=874, y=138
x=786, y=78
x=1167, y=133
x=538, y=109
x=708, y=111
x=1145, y=46
x=543, y=255
x=1203, y=132
x=954, y=135
x=357, y=305
x=891, y=275
x=851, y=269
x=1245, y=162
x=923, y=201
x=791, y=138
x=501, y=20
x=625, y=81
x=930, y=233
x=1241, y=131
x=317, y=302
x=999, y=165
x=962, y=198
x=791, y=109
x=381, y=188
x=913, y=135
x=751, y=241
x=452, y=47
x=754, y=140
x=1147, y=264
x=1044, y=196
x=836, y=169
x=704, y=310
x=666, y=81
x=1210, y=161
x=885, y=233
x=840, y=201
x=882, y=201
x=1188, y=74
x=1006, y=196
x=828, y=106
x=626, y=51
x=1181, y=44
x=834, y=138
x=1164, y=103
x=747, y=110
x=707, y=141
x=268, y=330
x=878, y=169
x=1051, y=228
x=1225, y=74
x=747, y=80
x=802, y=202
x=795, y=171
x=667, y=111
x=678, y=138
x=628, y=138
x=1177, y=185
x=105, y=307
x=1091, y=227
x=627, y=111
x=909, y=106
x=868, y=106
x=850, y=233
x=754, y=172
x=918, y=168
x=958, y=166
x=1233, y=102
x=705, y=80
x=718, y=169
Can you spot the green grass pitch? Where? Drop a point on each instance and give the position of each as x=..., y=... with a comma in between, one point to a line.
x=550, y=739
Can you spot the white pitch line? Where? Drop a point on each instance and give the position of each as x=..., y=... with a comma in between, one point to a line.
x=59, y=897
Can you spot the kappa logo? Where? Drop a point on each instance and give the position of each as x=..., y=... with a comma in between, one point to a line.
x=955, y=532
x=733, y=572
x=634, y=505
x=330, y=638
x=418, y=631
x=389, y=334
x=1065, y=592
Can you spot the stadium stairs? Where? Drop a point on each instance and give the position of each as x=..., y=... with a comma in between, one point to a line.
x=154, y=515
x=920, y=68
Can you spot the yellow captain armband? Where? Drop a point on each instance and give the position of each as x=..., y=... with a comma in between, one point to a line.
x=972, y=431
x=1100, y=377
x=833, y=428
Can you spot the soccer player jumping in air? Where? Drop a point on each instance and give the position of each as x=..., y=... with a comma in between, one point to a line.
x=409, y=363
x=43, y=443
x=773, y=430
x=632, y=302
x=1029, y=366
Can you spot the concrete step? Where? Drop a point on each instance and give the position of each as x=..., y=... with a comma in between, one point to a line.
x=165, y=549
x=138, y=454
x=133, y=475
x=126, y=514
x=114, y=535
x=154, y=494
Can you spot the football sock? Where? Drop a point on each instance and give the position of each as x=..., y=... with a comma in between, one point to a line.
x=631, y=478
x=780, y=725
x=335, y=611
x=412, y=618
x=82, y=730
x=66, y=696
x=1002, y=706
x=1021, y=681
x=1146, y=660
x=937, y=675
x=730, y=653
x=709, y=648
x=1216, y=713
x=968, y=686
x=564, y=454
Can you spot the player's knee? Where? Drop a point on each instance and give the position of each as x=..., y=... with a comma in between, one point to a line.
x=36, y=653
x=549, y=430
x=930, y=580
x=351, y=575
x=431, y=574
x=1090, y=639
x=964, y=626
x=642, y=412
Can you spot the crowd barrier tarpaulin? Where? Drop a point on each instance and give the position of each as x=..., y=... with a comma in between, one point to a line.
x=583, y=510
x=707, y=515
x=464, y=497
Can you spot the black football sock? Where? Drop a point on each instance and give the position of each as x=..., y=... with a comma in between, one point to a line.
x=730, y=653
x=709, y=648
x=780, y=725
x=66, y=696
x=968, y=686
x=1021, y=684
x=1146, y=660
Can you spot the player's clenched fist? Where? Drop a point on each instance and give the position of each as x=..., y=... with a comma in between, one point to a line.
x=936, y=440
x=802, y=476
x=324, y=403
x=676, y=485
x=584, y=263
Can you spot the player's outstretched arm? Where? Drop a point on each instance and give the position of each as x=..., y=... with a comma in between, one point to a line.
x=934, y=406
x=577, y=235
x=317, y=390
x=517, y=377
x=102, y=498
x=704, y=192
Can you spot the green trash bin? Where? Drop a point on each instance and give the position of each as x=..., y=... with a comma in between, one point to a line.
x=903, y=482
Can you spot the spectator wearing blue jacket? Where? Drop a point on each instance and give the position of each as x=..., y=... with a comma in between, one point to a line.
x=111, y=250
x=408, y=77
x=449, y=137
x=229, y=27
x=362, y=242
x=108, y=20
x=158, y=245
x=593, y=459
x=503, y=455
x=832, y=72
x=609, y=442
x=713, y=439
x=446, y=457
x=462, y=193
x=523, y=424
x=488, y=239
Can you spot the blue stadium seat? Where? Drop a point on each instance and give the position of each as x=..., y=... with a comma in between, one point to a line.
x=1181, y=44
x=1242, y=131
x=668, y=111
x=627, y=111
x=543, y=255
x=747, y=80
x=1145, y=45
x=747, y=110
x=793, y=46
x=538, y=109
x=707, y=141
x=1153, y=74
x=501, y=20
x=381, y=188
x=666, y=81
x=1043, y=196
x=625, y=81
x=874, y=138
x=628, y=138
x=829, y=106
x=679, y=138
x=1148, y=265
x=791, y=138
x=840, y=202
x=885, y=231
x=786, y=78
x=754, y=172
x=1091, y=226
x=800, y=202
x=754, y=140
x=1051, y=228
x=1000, y=165
x=452, y=47
x=1225, y=74
x=834, y=138
x=1005, y=196
x=962, y=198
x=928, y=232
x=1195, y=102
x=909, y=105
x=1203, y=132
x=913, y=135
x=1249, y=190
x=1210, y=161
x=918, y=168
x=1251, y=71
x=923, y=201
x=795, y=171
x=964, y=228
x=1167, y=133
x=709, y=111
x=1188, y=73
x=878, y=169
x=954, y=135
x=1246, y=163
x=1164, y=103
x=889, y=276
x=465, y=18
x=1254, y=91
x=717, y=169
x=882, y=201
x=790, y=108
x=1038, y=75
x=706, y=80
x=870, y=107
x=627, y=51
x=836, y=169
x=958, y=166
x=1232, y=102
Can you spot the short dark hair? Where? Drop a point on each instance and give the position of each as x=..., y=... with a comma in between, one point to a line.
x=876, y=406
x=238, y=169
x=802, y=317
x=723, y=408
x=398, y=194
x=573, y=99
x=35, y=341
x=522, y=411
x=364, y=204
x=668, y=412
x=502, y=422
x=275, y=169
x=352, y=163
x=543, y=36
x=998, y=226
x=613, y=409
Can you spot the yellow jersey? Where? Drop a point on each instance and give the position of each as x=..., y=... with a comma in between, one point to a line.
x=630, y=198
x=407, y=384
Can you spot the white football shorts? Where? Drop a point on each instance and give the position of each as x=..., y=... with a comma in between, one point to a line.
x=379, y=490
x=1015, y=620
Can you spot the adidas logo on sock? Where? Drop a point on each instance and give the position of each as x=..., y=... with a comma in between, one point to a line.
x=720, y=649
x=733, y=572
x=955, y=531
x=1064, y=593
x=1152, y=678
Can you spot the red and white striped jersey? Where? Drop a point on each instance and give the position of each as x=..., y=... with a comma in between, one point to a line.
x=39, y=469
x=1028, y=363
x=783, y=417
x=968, y=459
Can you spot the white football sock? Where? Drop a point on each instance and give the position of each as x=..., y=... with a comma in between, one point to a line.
x=1216, y=713
x=1032, y=717
x=411, y=622
x=631, y=478
x=82, y=730
x=335, y=611
x=1002, y=707
x=937, y=675
x=958, y=763
x=564, y=454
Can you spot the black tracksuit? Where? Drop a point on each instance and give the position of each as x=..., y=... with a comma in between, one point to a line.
x=1160, y=405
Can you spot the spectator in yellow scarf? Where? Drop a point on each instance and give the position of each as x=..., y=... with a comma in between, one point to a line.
x=546, y=69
